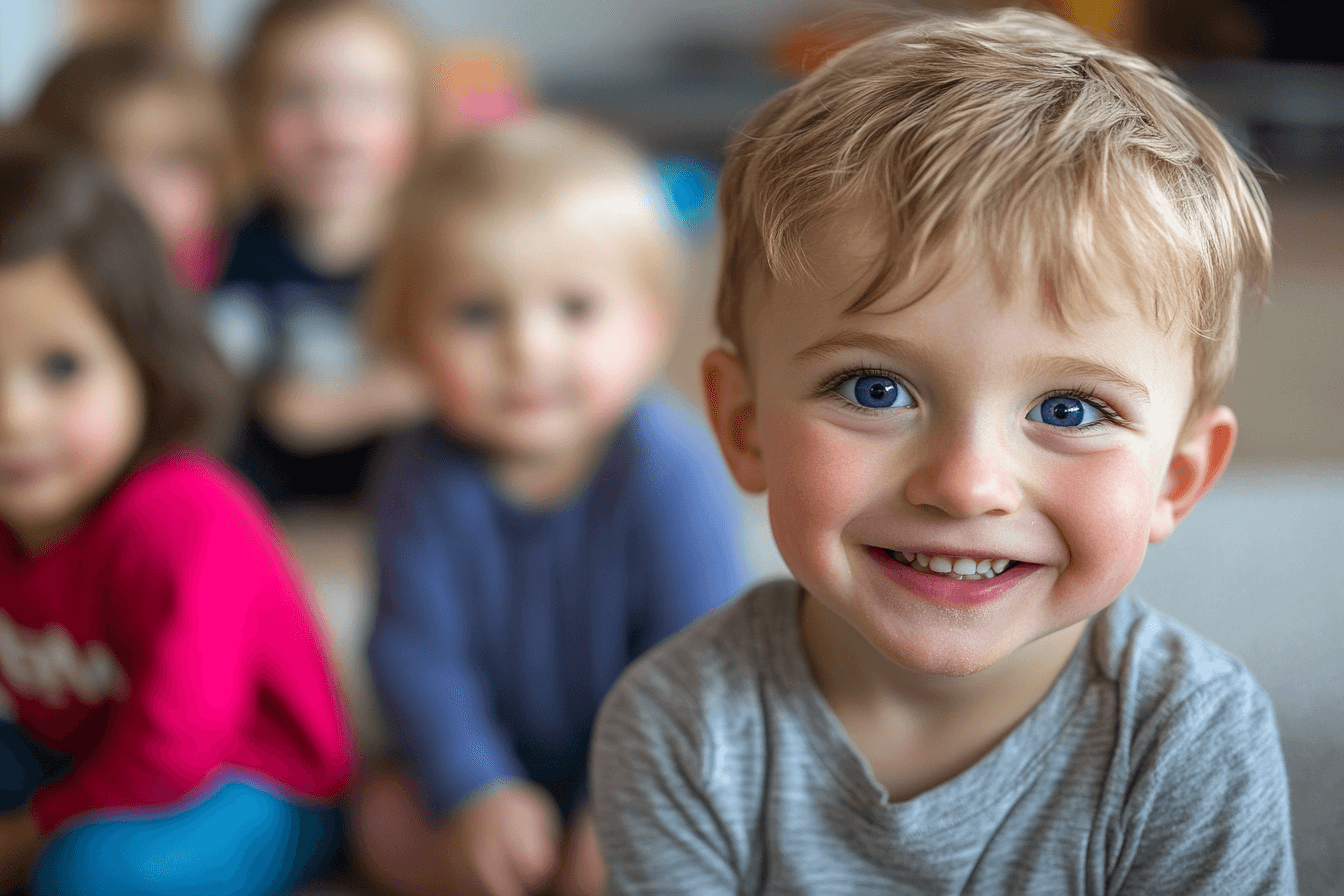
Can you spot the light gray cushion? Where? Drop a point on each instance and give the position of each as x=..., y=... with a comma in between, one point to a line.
x=1256, y=568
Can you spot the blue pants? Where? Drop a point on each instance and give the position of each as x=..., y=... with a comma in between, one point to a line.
x=235, y=837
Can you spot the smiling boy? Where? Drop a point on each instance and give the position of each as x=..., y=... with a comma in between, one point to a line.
x=979, y=298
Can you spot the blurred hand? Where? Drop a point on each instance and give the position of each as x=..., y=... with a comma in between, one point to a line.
x=582, y=872
x=507, y=843
x=311, y=417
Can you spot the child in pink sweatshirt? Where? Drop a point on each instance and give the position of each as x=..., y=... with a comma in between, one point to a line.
x=169, y=720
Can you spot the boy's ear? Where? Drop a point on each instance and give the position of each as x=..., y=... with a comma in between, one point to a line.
x=1195, y=466
x=731, y=403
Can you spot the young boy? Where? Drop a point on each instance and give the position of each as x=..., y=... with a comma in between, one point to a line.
x=557, y=519
x=980, y=296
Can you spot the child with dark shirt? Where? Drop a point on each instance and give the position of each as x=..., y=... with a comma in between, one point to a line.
x=332, y=111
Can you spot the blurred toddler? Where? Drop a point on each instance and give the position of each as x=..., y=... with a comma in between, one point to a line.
x=555, y=520
x=331, y=107
x=159, y=121
x=169, y=720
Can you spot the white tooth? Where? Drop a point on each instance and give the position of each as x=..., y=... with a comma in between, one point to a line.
x=940, y=564
x=990, y=574
x=922, y=559
x=964, y=566
x=1000, y=566
x=984, y=566
x=909, y=558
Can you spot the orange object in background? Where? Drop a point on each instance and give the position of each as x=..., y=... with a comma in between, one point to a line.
x=480, y=85
x=802, y=48
x=1115, y=18
x=803, y=44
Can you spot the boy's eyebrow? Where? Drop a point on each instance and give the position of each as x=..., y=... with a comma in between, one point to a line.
x=1060, y=367
x=873, y=342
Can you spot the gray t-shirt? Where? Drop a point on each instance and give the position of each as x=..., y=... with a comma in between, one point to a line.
x=1151, y=766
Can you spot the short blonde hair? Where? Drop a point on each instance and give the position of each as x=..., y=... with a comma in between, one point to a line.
x=1018, y=139
x=252, y=75
x=527, y=166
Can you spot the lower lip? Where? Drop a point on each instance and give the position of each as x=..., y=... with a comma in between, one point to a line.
x=532, y=404
x=945, y=590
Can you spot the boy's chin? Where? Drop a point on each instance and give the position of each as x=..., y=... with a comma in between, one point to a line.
x=940, y=644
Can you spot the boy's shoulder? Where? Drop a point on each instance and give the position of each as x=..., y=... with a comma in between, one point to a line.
x=663, y=427
x=664, y=454
x=712, y=679
x=423, y=456
x=1162, y=669
x=180, y=493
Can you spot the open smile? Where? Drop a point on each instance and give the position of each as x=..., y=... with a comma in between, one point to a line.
x=967, y=569
x=949, y=580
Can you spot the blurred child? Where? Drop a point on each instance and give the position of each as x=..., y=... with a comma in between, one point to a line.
x=555, y=521
x=332, y=110
x=980, y=295
x=159, y=121
x=169, y=722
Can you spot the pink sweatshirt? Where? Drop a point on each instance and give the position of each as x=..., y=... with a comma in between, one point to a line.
x=167, y=639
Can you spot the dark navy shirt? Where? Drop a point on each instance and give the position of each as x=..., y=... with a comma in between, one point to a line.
x=273, y=315
x=499, y=629
x=271, y=310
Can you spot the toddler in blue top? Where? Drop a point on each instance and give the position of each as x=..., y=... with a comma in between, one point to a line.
x=556, y=519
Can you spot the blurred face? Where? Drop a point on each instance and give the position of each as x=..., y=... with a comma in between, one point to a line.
x=536, y=341
x=339, y=122
x=72, y=410
x=150, y=145
x=958, y=477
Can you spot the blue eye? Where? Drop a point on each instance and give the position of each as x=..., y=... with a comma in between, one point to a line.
x=1065, y=411
x=577, y=307
x=478, y=314
x=875, y=392
x=60, y=366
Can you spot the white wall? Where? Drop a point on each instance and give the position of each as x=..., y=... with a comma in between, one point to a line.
x=32, y=33
x=558, y=38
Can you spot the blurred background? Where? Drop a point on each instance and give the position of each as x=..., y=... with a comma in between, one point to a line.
x=679, y=75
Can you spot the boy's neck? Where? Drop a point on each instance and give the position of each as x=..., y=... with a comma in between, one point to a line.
x=546, y=481
x=918, y=730
x=343, y=241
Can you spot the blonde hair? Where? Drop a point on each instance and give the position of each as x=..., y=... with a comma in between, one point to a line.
x=1018, y=139
x=250, y=79
x=528, y=166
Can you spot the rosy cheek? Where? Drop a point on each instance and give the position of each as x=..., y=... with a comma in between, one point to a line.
x=819, y=480
x=392, y=148
x=284, y=140
x=1102, y=504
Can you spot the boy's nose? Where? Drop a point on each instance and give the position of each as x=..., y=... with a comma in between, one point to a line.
x=533, y=342
x=965, y=473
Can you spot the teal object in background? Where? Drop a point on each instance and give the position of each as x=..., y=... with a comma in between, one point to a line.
x=241, y=839
x=689, y=185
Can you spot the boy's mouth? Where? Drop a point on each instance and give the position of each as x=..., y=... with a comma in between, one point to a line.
x=967, y=569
